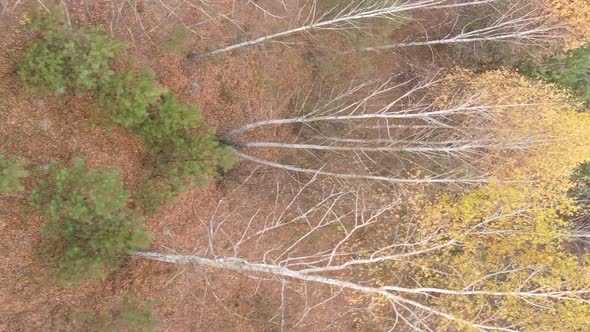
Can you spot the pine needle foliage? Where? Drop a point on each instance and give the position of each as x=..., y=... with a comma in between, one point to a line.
x=68, y=60
x=88, y=230
x=180, y=145
x=10, y=173
x=171, y=118
x=129, y=97
x=183, y=151
x=570, y=72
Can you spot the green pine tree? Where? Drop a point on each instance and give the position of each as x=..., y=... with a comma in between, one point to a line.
x=88, y=230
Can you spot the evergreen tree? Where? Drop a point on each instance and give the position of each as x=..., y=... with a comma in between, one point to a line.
x=88, y=229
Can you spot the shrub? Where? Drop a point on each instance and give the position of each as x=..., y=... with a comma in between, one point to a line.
x=581, y=189
x=88, y=229
x=130, y=315
x=65, y=59
x=192, y=157
x=176, y=40
x=41, y=21
x=10, y=173
x=128, y=97
x=570, y=72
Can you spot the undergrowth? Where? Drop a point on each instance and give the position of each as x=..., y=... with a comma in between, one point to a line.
x=570, y=71
x=129, y=314
x=11, y=172
x=176, y=40
x=581, y=189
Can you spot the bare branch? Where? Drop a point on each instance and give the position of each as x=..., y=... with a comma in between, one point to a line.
x=233, y=263
x=345, y=18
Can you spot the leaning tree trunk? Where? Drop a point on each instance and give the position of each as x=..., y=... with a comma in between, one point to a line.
x=376, y=129
x=339, y=264
x=346, y=18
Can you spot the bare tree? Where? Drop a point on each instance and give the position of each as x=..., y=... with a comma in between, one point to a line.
x=517, y=26
x=385, y=131
x=341, y=263
x=348, y=16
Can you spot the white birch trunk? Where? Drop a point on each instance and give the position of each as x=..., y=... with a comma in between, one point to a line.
x=352, y=13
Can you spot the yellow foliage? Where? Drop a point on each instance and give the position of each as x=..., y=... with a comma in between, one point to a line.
x=515, y=226
x=525, y=217
x=534, y=112
x=24, y=19
x=575, y=15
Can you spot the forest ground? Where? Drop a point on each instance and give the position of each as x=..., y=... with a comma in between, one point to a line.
x=231, y=90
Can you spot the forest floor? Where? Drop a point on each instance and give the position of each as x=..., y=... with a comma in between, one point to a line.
x=231, y=90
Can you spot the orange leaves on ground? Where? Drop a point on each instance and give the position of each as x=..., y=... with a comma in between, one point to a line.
x=575, y=15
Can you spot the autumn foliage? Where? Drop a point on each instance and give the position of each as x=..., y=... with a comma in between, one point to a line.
x=427, y=201
x=538, y=120
x=508, y=238
x=575, y=15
